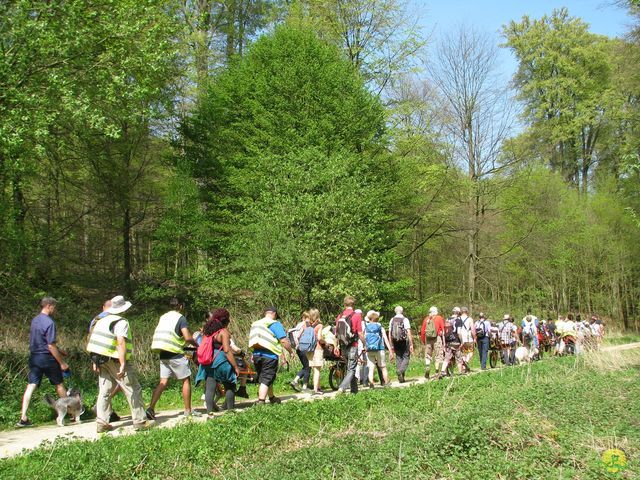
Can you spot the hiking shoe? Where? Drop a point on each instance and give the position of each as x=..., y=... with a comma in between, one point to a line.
x=192, y=413
x=274, y=400
x=426, y=374
x=24, y=423
x=151, y=414
x=139, y=427
x=114, y=417
x=103, y=427
x=318, y=393
x=242, y=392
x=294, y=385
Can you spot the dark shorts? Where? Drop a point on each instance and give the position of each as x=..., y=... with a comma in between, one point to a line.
x=266, y=368
x=44, y=365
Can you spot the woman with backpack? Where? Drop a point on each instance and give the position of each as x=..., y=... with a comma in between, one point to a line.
x=216, y=357
x=376, y=339
x=315, y=353
x=294, y=335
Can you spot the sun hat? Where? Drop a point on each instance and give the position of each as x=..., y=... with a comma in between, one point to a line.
x=373, y=312
x=119, y=305
x=506, y=317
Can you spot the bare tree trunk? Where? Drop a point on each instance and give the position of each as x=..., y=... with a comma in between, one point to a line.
x=126, y=250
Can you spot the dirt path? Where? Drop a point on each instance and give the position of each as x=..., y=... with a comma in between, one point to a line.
x=14, y=442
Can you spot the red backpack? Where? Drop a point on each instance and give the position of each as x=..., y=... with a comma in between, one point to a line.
x=205, y=351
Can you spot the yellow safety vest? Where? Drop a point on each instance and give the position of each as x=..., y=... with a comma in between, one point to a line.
x=165, y=337
x=104, y=342
x=261, y=337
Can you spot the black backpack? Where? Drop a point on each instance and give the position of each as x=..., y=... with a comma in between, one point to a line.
x=480, y=330
x=451, y=329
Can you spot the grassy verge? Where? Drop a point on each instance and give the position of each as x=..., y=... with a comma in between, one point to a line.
x=552, y=419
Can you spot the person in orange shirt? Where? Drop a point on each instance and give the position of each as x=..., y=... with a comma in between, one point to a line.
x=431, y=336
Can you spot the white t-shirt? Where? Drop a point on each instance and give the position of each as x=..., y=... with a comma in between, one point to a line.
x=465, y=332
x=121, y=328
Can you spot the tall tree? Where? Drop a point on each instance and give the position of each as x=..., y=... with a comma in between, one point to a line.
x=295, y=138
x=563, y=79
x=476, y=116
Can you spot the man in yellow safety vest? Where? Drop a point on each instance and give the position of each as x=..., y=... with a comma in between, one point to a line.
x=267, y=338
x=169, y=339
x=111, y=351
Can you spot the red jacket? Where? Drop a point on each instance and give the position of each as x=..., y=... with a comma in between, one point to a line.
x=438, y=322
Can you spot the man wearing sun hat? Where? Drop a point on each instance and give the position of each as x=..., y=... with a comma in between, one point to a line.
x=111, y=351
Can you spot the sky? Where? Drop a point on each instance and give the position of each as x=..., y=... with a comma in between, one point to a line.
x=438, y=16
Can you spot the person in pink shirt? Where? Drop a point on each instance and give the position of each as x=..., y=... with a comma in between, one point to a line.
x=348, y=339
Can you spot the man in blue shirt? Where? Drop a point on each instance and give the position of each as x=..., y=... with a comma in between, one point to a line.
x=267, y=338
x=45, y=357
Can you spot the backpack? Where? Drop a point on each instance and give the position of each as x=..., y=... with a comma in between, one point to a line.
x=480, y=330
x=398, y=332
x=293, y=334
x=205, y=351
x=373, y=337
x=450, y=330
x=430, y=329
x=344, y=331
x=308, y=341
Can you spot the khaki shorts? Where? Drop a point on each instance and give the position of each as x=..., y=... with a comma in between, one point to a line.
x=175, y=367
x=376, y=357
x=316, y=358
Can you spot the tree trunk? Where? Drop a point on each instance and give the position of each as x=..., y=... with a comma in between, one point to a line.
x=126, y=251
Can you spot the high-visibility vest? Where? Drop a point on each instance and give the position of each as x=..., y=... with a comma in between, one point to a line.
x=165, y=337
x=104, y=342
x=261, y=337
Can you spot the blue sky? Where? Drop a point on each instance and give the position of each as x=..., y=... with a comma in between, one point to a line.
x=438, y=16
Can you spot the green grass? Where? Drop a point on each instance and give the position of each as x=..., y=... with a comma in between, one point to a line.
x=552, y=419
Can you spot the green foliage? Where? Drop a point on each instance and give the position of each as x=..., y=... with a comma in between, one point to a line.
x=294, y=141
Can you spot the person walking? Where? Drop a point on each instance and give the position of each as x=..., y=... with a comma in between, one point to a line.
x=376, y=340
x=113, y=416
x=348, y=331
x=316, y=357
x=223, y=368
x=170, y=337
x=111, y=350
x=45, y=358
x=482, y=331
x=305, y=371
x=268, y=338
x=452, y=341
x=468, y=337
x=506, y=333
x=431, y=337
x=401, y=341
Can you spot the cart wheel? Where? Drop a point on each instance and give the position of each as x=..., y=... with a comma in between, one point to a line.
x=493, y=358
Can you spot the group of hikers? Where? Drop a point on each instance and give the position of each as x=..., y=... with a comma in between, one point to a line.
x=360, y=342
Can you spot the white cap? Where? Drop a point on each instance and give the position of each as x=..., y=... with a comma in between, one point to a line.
x=433, y=311
x=358, y=311
x=506, y=316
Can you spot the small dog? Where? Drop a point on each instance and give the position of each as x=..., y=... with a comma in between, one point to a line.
x=522, y=354
x=71, y=404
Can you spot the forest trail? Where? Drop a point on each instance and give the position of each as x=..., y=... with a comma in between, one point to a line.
x=14, y=442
